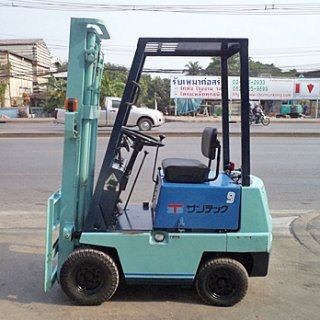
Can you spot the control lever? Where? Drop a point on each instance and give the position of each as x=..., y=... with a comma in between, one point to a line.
x=135, y=181
x=154, y=179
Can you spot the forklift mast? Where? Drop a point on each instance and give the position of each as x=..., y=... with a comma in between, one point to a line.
x=68, y=207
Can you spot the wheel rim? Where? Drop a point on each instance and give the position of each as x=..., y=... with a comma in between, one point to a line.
x=265, y=121
x=221, y=284
x=89, y=278
x=145, y=125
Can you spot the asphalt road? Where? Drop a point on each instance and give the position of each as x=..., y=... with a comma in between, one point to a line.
x=30, y=170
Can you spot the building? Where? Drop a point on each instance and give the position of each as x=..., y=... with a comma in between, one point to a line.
x=24, y=67
x=16, y=78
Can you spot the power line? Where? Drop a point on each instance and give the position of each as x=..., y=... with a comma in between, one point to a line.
x=256, y=54
x=228, y=9
x=114, y=68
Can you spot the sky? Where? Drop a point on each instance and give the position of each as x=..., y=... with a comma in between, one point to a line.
x=286, y=34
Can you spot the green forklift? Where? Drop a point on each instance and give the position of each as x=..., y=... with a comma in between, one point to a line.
x=207, y=225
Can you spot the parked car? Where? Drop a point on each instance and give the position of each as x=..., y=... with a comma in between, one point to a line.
x=143, y=117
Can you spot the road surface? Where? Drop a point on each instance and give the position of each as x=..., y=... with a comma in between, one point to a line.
x=30, y=170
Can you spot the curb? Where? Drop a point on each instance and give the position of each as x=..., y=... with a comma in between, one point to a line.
x=301, y=228
x=313, y=228
x=27, y=120
x=187, y=119
x=167, y=134
x=234, y=119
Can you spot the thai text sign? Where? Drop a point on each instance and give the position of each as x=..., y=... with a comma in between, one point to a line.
x=209, y=87
x=195, y=87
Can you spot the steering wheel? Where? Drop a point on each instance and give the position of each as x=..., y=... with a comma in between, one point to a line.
x=145, y=139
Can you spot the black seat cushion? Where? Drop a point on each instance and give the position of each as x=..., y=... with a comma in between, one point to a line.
x=185, y=170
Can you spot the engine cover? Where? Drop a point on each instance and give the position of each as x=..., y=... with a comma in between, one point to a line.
x=213, y=205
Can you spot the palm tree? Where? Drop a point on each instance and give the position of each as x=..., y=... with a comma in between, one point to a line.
x=193, y=68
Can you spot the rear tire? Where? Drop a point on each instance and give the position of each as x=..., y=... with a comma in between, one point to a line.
x=222, y=282
x=89, y=277
x=145, y=124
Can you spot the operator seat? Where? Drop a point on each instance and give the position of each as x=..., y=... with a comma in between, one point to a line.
x=189, y=170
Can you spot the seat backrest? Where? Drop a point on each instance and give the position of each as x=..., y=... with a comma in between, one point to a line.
x=209, y=142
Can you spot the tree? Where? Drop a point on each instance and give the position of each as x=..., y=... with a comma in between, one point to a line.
x=154, y=88
x=56, y=94
x=111, y=87
x=3, y=88
x=193, y=68
x=113, y=81
x=4, y=75
x=256, y=68
x=115, y=77
x=214, y=67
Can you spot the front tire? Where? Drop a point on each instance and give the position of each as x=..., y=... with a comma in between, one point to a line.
x=145, y=124
x=222, y=282
x=89, y=276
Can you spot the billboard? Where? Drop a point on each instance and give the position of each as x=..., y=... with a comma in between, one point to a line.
x=209, y=87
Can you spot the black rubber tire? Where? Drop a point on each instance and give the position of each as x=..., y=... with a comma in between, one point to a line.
x=222, y=282
x=89, y=276
x=265, y=121
x=145, y=124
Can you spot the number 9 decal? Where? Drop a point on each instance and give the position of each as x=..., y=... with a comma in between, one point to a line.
x=231, y=197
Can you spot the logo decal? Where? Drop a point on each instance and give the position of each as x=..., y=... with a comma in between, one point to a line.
x=175, y=208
